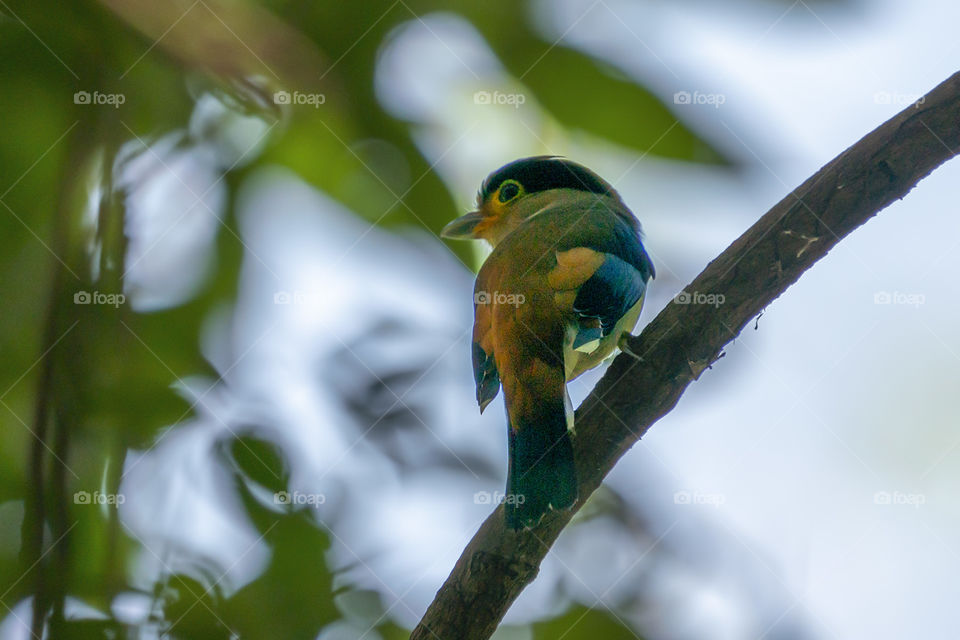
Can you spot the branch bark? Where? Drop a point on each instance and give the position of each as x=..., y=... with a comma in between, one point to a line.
x=685, y=339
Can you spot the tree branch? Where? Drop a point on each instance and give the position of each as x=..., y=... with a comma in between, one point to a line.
x=685, y=339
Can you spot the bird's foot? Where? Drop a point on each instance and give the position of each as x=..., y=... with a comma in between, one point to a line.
x=624, y=346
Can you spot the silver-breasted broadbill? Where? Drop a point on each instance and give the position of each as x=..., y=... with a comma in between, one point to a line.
x=566, y=279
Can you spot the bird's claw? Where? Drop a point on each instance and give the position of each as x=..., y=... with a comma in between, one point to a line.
x=624, y=345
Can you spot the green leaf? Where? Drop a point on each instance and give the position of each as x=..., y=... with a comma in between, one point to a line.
x=194, y=610
x=293, y=598
x=585, y=93
x=581, y=623
x=261, y=461
x=593, y=98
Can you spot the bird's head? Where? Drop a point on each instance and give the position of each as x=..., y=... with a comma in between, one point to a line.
x=519, y=190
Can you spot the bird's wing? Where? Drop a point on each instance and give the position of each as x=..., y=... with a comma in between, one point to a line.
x=485, y=372
x=602, y=271
x=609, y=293
x=600, y=288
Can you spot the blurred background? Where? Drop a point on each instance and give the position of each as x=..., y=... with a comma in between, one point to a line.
x=235, y=393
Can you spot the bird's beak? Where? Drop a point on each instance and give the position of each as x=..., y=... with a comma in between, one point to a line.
x=462, y=228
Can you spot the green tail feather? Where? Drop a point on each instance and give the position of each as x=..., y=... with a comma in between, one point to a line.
x=542, y=473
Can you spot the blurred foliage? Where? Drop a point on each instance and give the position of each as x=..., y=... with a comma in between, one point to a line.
x=581, y=623
x=114, y=372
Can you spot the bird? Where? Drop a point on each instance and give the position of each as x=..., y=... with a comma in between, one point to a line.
x=564, y=282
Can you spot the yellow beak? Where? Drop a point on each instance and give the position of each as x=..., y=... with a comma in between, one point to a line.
x=462, y=228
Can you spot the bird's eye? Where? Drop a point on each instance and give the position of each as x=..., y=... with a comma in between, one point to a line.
x=508, y=191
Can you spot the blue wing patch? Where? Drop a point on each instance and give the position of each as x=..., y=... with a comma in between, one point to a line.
x=627, y=246
x=610, y=292
x=486, y=376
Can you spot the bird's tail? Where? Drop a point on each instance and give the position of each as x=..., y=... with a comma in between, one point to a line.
x=542, y=473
